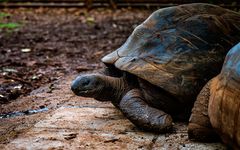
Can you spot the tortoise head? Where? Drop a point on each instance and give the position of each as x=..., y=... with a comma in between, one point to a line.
x=89, y=85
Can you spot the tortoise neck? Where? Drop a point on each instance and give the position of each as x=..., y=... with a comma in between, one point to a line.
x=113, y=90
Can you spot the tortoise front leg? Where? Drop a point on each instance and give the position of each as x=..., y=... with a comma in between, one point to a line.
x=142, y=115
x=199, y=127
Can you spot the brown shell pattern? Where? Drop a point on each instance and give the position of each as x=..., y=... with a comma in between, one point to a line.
x=224, y=103
x=179, y=48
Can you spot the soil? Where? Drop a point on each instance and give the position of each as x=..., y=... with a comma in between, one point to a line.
x=39, y=60
x=84, y=123
x=52, y=43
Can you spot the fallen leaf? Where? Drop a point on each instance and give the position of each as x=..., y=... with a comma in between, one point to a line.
x=83, y=68
x=26, y=50
x=9, y=70
x=90, y=19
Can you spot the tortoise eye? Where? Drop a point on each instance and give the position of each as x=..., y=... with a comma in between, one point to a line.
x=158, y=35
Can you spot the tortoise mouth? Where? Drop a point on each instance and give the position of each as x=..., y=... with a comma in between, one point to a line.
x=86, y=92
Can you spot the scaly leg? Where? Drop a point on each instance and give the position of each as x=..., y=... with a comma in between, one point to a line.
x=142, y=115
x=199, y=127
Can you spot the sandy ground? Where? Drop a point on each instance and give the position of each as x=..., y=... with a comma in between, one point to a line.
x=50, y=44
x=83, y=123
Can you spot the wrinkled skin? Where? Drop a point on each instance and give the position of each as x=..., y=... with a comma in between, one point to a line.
x=156, y=75
x=125, y=94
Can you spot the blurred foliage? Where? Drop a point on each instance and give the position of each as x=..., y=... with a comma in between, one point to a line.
x=2, y=15
x=7, y=25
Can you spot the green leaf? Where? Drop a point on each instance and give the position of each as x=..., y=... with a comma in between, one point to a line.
x=9, y=25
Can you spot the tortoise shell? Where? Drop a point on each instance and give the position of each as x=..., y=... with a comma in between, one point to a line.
x=224, y=102
x=179, y=48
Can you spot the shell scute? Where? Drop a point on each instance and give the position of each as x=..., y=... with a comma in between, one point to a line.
x=177, y=47
x=224, y=102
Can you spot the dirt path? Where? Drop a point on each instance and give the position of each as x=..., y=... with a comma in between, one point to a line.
x=80, y=123
x=43, y=54
x=51, y=43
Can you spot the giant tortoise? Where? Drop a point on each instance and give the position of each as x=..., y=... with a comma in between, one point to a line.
x=218, y=104
x=156, y=75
